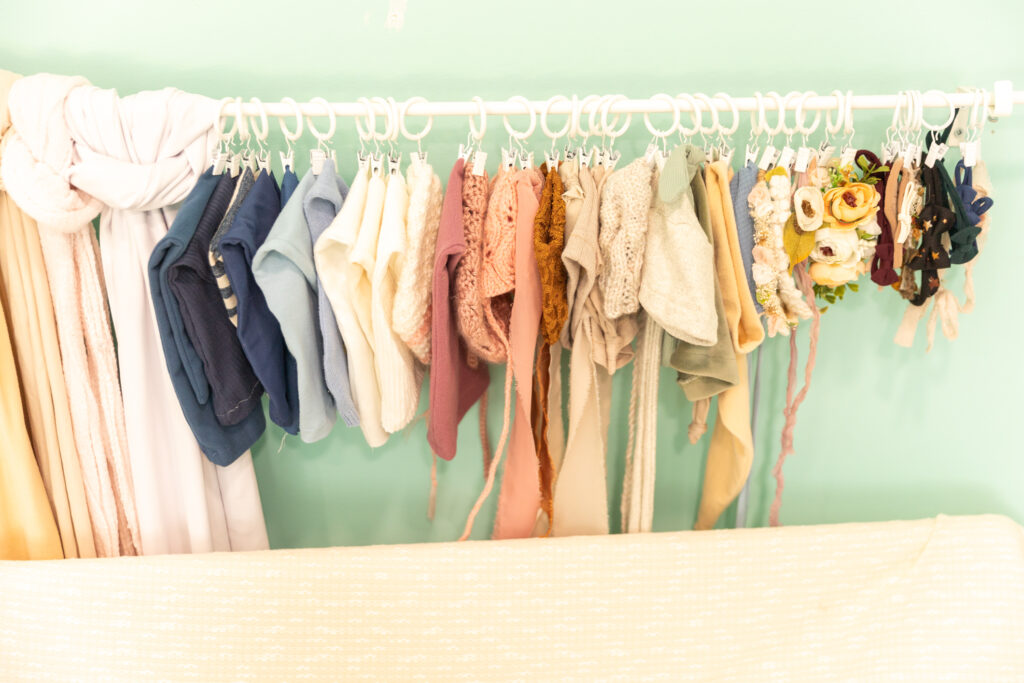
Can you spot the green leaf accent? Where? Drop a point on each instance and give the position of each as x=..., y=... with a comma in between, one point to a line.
x=853, y=285
x=831, y=298
x=840, y=290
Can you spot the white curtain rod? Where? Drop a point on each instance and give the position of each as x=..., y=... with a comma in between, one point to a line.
x=999, y=102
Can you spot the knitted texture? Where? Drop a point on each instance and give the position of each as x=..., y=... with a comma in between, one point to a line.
x=410, y=318
x=398, y=374
x=625, y=203
x=548, y=242
x=498, y=264
x=793, y=402
x=469, y=305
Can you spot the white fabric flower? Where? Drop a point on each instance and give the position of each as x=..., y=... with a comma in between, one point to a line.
x=836, y=246
x=809, y=208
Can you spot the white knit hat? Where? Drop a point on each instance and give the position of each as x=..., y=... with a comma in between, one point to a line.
x=625, y=204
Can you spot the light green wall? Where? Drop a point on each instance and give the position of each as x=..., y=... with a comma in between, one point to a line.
x=885, y=433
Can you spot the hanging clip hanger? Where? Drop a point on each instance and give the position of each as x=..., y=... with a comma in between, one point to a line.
x=758, y=125
x=418, y=137
x=803, y=154
x=710, y=150
x=726, y=149
x=787, y=156
x=771, y=154
x=611, y=131
x=826, y=149
x=577, y=131
x=261, y=134
x=937, y=150
x=477, y=136
x=847, y=152
x=288, y=157
x=656, y=151
x=321, y=153
x=551, y=156
x=364, y=158
x=391, y=133
x=220, y=159
x=235, y=163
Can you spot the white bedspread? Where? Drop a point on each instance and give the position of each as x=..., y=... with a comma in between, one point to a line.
x=937, y=599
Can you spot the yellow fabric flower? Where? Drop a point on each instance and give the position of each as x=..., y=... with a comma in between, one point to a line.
x=850, y=205
x=832, y=274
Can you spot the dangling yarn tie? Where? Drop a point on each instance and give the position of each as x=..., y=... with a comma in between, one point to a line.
x=793, y=404
x=485, y=442
x=699, y=423
x=492, y=471
x=432, y=503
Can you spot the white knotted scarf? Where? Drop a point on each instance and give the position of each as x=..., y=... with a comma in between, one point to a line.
x=135, y=158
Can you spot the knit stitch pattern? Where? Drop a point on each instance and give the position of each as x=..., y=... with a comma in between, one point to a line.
x=412, y=309
x=469, y=297
x=625, y=202
x=548, y=243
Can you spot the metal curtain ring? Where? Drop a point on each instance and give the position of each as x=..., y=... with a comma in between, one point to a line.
x=403, y=111
x=735, y=113
x=478, y=133
x=715, y=125
x=533, y=119
x=290, y=136
x=330, y=113
x=949, y=118
x=544, y=118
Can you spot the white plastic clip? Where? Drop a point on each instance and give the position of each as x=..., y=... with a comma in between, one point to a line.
x=479, y=162
x=768, y=157
x=317, y=159
x=803, y=158
x=220, y=163
x=846, y=156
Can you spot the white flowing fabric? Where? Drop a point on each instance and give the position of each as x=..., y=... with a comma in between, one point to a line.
x=140, y=156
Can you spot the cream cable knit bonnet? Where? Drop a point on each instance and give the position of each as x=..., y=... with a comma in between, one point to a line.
x=625, y=204
x=412, y=308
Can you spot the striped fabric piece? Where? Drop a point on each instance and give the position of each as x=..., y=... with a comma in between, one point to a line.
x=216, y=259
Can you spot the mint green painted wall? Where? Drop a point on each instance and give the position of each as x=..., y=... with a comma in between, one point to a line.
x=885, y=433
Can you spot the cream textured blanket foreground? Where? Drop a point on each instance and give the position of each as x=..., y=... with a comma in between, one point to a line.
x=929, y=600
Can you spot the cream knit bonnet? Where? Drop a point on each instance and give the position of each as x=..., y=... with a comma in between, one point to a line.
x=625, y=203
x=410, y=317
